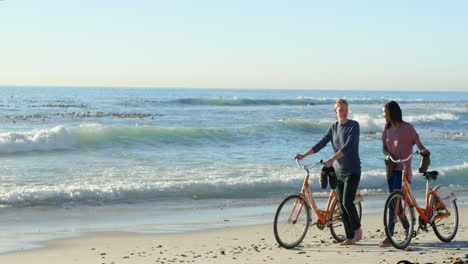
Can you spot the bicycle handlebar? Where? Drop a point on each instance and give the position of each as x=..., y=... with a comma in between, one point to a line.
x=310, y=166
x=403, y=160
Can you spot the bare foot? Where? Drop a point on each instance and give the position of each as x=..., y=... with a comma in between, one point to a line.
x=348, y=242
x=357, y=235
x=385, y=243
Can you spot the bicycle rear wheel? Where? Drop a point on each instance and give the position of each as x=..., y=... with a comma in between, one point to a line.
x=445, y=223
x=336, y=225
x=291, y=221
x=399, y=220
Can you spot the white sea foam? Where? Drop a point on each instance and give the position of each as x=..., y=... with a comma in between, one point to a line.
x=458, y=171
x=140, y=183
x=369, y=124
x=55, y=138
x=431, y=117
x=373, y=179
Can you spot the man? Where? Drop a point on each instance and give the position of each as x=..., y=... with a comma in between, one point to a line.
x=344, y=136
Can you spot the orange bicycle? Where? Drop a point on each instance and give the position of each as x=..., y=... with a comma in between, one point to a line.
x=293, y=216
x=440, y=212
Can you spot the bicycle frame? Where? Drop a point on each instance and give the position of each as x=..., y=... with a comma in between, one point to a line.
x=322, y=215
x=424, y=213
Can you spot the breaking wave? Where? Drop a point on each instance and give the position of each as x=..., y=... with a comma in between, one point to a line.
x=139, y=184
x=95, y=135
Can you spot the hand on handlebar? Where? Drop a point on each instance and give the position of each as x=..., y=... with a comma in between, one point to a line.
x=299, y=156
x=424, y=152
x=328, y=163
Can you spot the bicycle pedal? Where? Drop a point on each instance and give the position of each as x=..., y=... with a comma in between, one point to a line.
x=423, y=228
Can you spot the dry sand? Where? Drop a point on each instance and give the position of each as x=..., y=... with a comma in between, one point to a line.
x=253, y=244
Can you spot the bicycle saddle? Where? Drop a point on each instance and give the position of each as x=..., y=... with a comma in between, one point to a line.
x=430, y=175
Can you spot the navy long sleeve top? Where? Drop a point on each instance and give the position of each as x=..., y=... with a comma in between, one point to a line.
x=344, y=138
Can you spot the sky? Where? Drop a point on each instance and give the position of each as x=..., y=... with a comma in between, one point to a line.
x=262, y=44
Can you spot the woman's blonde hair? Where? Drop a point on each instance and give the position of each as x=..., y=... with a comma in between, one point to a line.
x=339, y=102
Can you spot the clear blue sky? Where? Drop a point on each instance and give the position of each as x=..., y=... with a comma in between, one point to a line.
x=404, y=45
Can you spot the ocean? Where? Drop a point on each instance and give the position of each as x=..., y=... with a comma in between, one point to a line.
x=79, y=160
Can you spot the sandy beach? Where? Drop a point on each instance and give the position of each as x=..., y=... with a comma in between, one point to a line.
x=252, y=244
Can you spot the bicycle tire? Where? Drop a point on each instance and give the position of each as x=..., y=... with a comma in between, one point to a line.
x=336, y=222
x=399, y=236
x=449, y=223
x=290, y=233
x=359, y=210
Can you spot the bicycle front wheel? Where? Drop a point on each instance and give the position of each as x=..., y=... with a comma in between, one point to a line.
x=291, y=221
x=399, y=220
x=445, y=223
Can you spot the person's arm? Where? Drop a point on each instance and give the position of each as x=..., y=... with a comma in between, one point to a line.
x=417, y=141
x=322, y=143
x=351, y=141
x=335, y=156
x=423, y=150
x=387, y=153
x=303, y=156
x=384, y=148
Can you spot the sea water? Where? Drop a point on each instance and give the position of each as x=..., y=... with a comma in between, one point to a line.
x=77, y=160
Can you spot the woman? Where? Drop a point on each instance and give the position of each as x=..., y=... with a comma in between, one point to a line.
x=344, y=136
x=398, y=139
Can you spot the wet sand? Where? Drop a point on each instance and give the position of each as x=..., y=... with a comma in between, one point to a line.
x=252, y=244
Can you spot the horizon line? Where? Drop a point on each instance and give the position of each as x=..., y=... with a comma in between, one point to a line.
x=226, y=88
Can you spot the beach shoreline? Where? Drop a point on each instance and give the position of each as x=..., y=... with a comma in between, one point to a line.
x=245, y=244
x=189, y=166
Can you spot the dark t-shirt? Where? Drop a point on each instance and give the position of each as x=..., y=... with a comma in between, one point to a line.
x=344, y=138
